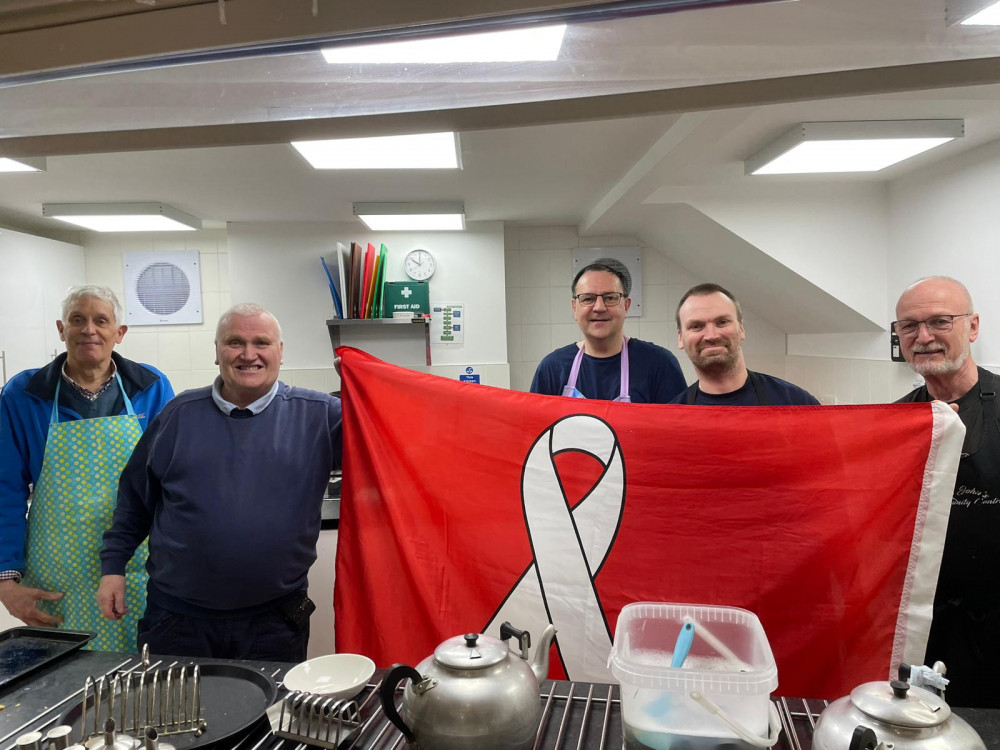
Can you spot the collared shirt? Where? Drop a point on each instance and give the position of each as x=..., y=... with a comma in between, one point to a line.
x=86, y=392
x=227, y=407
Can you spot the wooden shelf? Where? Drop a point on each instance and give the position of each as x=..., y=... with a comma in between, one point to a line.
x=372, y=324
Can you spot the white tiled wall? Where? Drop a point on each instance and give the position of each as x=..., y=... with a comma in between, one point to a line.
x=851, y=381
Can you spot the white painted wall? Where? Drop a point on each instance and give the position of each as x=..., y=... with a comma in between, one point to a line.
x=36, y=274
x=944, y=220
x=277, y=265
x=941, y=219
x=833, y=235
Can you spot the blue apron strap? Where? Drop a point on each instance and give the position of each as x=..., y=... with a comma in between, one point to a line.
x=54, y=417
x=128, y=403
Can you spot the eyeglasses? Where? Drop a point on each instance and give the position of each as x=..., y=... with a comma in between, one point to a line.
x=610, y=298
x=937, y=324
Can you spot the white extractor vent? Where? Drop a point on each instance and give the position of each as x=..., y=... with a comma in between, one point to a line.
x=162, y=288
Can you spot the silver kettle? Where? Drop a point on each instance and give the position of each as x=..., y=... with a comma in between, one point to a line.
x=897, y=715
x=472, y=693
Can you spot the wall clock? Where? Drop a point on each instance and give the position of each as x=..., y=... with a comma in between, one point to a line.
x=419, y=265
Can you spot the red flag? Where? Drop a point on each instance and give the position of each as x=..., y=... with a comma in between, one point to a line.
x=465, y=505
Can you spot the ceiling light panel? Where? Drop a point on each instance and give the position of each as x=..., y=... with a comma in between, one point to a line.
x=123, y=217
x=444, y=216
x=828, y=147
x=988, y=17
x=22, y=165
x=847, y=156
x=420, y=151
x=539, y=44
x=972, y=13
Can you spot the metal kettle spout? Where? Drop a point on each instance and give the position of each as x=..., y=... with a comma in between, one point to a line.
x=540, y=664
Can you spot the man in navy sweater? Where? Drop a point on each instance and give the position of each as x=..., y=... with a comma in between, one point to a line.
x=710, y=330
x=227, y=483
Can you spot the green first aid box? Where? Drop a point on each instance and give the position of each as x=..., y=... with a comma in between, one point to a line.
x=406, y=297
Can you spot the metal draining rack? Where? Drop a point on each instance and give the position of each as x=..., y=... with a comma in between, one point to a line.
x=575, y=716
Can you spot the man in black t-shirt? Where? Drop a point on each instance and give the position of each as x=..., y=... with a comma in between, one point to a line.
x=710, y=330
x=936, y=324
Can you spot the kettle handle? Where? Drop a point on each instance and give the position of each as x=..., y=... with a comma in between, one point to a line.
x=864, y=739
x=387, y=694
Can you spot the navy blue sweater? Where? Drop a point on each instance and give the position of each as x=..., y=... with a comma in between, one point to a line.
x=655, y=376
x=231, y=506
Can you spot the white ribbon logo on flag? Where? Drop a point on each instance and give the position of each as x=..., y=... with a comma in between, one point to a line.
x=569, y=546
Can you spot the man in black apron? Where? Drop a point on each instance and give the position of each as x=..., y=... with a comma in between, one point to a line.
x=936, y=324
x=710, y=330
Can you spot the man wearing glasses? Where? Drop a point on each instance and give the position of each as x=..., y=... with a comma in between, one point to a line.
x=936, y=327
x=710, y=329
x=607, y=364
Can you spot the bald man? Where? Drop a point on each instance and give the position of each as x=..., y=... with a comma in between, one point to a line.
x=936, y=324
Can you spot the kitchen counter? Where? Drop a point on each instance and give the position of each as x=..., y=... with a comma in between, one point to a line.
x=41, y=692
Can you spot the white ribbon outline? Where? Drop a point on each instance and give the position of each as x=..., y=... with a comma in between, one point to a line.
x=569, y=546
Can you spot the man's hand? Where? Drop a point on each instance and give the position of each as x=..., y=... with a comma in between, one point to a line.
x=22, y=603
x=111, y=597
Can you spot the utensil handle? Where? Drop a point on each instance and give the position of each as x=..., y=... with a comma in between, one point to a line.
x=387, y=694
x=683, y=646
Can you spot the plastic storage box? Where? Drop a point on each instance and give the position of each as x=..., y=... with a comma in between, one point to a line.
x=720, y=695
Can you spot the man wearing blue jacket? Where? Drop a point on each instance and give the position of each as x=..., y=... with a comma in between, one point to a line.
x=66, y=431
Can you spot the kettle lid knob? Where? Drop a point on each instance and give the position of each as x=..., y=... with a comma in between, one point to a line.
x=471, y=639
x=899, y=688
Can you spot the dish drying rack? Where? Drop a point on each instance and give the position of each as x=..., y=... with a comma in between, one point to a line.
x=578, y=716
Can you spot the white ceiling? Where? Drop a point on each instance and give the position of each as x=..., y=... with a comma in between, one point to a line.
x=594, y=174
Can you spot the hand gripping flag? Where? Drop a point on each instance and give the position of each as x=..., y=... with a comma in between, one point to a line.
x=465, y=505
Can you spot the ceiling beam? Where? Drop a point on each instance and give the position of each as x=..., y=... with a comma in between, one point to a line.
x=894, y=79
x=62, y=39
x=646, y=165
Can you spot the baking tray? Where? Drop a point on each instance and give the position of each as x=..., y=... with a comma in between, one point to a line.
x=25, y=649
x=233, y=698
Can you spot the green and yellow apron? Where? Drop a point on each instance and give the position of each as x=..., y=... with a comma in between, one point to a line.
x=72, y=506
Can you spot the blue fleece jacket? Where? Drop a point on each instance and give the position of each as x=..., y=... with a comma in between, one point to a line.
x=25, y=409
x=231, y=506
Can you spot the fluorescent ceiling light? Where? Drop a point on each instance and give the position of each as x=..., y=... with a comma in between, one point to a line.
x=123, y=217
x=536, y=43
x=973, y=13
x=421, y=151
x=426, y=216
x=23, y=164
x=866, y=146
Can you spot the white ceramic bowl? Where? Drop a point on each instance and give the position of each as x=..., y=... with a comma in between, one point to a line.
x=335, y=675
